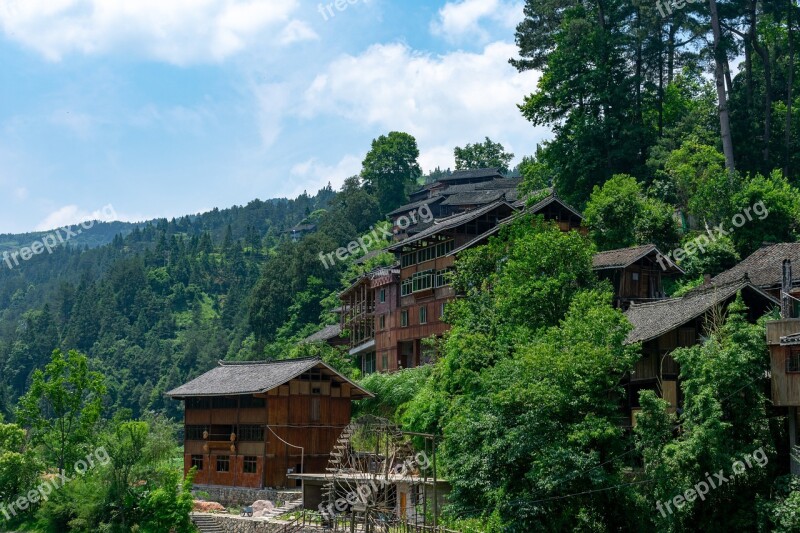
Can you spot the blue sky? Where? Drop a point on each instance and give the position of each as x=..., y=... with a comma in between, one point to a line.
x=168, y=107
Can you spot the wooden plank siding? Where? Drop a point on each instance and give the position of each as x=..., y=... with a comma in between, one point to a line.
x=304, y=413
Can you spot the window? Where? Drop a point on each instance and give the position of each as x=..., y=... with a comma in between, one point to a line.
x=404, y=318
x=223, y=463
x=197, y=462
x=315, y=416
x=383, y=321
x=422, y=281
x=405, y=287
x=442, y=277
x=441, y=310
x=385, y=361
x=251, y=434
x=369, y=363
x=426, y=254
x=444, y=248
x=408, y=259
x=195, y=432
x=382, y=295
x=793, y=361
x=423, y=315
x=250, y=465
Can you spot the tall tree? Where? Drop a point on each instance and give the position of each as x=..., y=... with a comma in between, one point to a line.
x=391, y=167
x=487, y=154
x=62, y=407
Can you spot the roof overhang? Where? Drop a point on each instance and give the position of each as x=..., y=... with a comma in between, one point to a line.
x=361, y=348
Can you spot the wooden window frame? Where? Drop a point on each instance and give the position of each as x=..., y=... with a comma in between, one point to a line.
x=250, y=464
x=197, y=461
x=793, y=355
x=223, y=460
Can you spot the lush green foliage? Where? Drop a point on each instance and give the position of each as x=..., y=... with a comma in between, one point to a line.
x=487, y=154
x=619, y=215
x=724, y=419
x=391, y=168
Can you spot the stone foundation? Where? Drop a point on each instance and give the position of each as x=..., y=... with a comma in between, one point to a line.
x=235, y=524
x=241, y=496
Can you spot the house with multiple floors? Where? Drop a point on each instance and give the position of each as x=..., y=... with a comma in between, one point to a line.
x=251, y=424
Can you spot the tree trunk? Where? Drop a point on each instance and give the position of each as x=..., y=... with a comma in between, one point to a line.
x=719, y=74
x=764, y=54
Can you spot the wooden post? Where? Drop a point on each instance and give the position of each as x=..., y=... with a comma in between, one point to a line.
x=786, y=289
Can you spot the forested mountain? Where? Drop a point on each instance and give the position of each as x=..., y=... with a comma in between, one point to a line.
x=165, y=300
x=95, y=234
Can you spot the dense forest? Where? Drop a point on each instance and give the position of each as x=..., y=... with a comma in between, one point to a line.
x=667, y=122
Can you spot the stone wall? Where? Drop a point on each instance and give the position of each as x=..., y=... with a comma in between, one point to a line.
x=240, y=496
x=235, y=524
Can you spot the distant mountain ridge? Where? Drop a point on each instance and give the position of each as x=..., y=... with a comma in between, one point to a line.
x=99, y=234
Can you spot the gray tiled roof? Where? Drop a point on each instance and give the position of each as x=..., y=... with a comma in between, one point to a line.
x=325, y=334
x=474, y=197
x=765, y=266
x=451, y=222
x=653, y=319
x=233, y=379
x=791, y=340
x=472, y=174
x=625, y=257
x=415, y=205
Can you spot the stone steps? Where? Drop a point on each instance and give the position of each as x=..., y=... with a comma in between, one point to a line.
x=206, y=524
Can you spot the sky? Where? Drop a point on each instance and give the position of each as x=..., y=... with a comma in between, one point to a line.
x=137, y=109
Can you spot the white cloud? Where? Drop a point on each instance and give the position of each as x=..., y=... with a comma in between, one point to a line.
x=72, y=214
x=176, y=31
x=311, y=175
x=444, y=101
x=463, y=19
x=295, y=31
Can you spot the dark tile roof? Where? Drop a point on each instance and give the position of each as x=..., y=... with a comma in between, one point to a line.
x=472, y=174
x=791, y=340
x=653, y=319
x=544, y=202
x=474, y=197
x=451, y=222
x=625, y=257
x=765, y=266
x=415, y=205
x=325, y=334
x=233, y=379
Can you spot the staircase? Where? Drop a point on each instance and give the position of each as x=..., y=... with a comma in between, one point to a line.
x=287, y=507
x=206, y=523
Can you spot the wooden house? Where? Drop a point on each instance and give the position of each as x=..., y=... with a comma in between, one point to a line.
x=664, y=325
x=636, y=273
x=366, y=305
x=251, y=424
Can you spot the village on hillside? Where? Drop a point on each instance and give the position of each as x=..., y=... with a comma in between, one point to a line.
x=282, y=430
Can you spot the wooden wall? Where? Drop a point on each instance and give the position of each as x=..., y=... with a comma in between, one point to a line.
x=287, y=415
